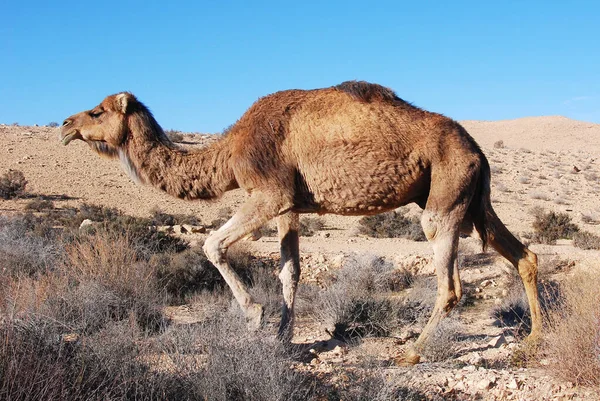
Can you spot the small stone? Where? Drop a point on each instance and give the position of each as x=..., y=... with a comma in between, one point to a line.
x=85, y=223
x=470, y=368
x=497, y=341
x=513, y=384
x=324, y=234
x=486, y=383
x=476, y=359
x=198, y=229
x=460, y=386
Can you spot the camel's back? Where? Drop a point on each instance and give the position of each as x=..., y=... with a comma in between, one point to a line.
x=352, y=147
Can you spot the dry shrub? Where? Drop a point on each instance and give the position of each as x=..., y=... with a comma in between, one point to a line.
x=355, y=303
x=499, y=144
x=248, y=366
x=174, y=136
x=107, y=280
x=160, y=218
x=586, y=240
x=12, y=184
x=443, y=343
x=392, y=225
x=513, y=312
x=550, y=226
x=25, y=246
x=39, y=205
x=573, y=335
x=309, y=226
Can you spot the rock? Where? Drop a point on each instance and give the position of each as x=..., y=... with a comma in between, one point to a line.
x=324, y=235
x=476, y=359
x=497, y=341
x=178, y=229
x=487, y=283
x=85, y=223
x=486, y=383
x=460, y=386
x=198, y=229
x=513, y=384
x=470, y=368
x=338, y=261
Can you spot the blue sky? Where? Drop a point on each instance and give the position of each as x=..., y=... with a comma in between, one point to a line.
x=199, y=65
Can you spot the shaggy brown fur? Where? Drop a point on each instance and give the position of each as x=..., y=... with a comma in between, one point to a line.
x=352, y=149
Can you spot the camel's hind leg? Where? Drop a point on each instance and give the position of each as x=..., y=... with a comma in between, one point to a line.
x=258, y=210
x=524, y=261
x=442, y=231
x=287, y=227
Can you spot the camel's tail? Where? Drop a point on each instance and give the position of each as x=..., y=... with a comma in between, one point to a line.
x=480, y=209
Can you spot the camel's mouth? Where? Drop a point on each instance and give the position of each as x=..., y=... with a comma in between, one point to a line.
x=67, y=138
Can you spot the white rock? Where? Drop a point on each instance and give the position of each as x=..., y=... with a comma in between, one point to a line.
x=85, y=223
x=513, y=384
x=486, y=383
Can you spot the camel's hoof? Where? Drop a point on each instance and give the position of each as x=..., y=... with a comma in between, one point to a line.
x=410, y=358
x=254, y=317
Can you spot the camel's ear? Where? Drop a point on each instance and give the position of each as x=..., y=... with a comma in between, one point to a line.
x=124, y=101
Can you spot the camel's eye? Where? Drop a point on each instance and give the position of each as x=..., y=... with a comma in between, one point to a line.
x=96, y=113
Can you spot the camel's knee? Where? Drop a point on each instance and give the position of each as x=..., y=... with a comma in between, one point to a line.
x=213, y=250
x=429, y=223
x=528, y=267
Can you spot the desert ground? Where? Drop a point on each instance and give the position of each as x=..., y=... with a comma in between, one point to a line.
x=548, y=162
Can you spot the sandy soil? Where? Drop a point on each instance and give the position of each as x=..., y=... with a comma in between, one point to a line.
x=550, y=162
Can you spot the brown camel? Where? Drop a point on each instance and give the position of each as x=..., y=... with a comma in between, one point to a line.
x=352, y=149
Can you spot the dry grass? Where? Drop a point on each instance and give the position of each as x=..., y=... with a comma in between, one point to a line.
x=12, y=184
x=586, y=240
x=89, y=325
x=573, y=335
x=39, y=205
x=356, y=302
x=309, y=226
x=392, y=225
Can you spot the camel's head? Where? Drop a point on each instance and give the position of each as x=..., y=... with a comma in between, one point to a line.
x=104, y=127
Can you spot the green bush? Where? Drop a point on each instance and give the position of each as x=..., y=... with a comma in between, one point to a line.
x=551, y=226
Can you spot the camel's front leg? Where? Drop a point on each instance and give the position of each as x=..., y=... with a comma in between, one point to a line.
x=254, y=214
x=287, y=227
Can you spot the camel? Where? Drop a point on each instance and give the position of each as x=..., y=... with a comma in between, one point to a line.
x=351, y=149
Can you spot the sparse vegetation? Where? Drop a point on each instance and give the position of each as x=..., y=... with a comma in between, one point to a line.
x=53, y=124
x=354, y=303
x=586, y=240
x=12, y=184
x=572, y=345
x=39, y=205
x=550, y=226
x=174, y=136
x=392, y=225
x=160, y=218
x=499, y=144
x=309, y=226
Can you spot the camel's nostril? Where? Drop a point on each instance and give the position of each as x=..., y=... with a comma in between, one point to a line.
x=66, y=122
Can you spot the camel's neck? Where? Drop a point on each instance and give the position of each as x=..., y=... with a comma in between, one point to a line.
x=189, y=174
